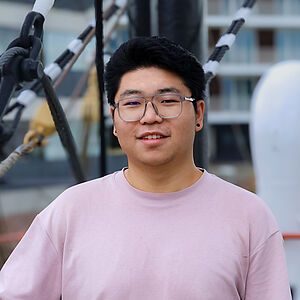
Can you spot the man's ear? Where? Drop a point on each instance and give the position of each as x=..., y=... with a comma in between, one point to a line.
x=115, y=131
x=112, y=112
x=199, y=115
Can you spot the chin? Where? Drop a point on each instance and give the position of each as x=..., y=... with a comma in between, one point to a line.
x=153, y=161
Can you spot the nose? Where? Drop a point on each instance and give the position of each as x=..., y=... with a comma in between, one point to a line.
x=151, y=114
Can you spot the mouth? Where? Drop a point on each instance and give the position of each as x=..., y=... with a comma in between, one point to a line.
x=152, y=137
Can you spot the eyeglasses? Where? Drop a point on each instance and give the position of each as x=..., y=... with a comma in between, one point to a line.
x=166, y=106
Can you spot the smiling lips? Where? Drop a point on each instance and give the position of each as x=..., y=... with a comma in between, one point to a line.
x=152, y=137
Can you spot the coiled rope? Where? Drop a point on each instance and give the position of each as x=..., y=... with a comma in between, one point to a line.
x=10, y=53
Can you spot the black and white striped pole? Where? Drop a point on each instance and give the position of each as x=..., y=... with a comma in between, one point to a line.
x=54, y=69
x=210, y=70
x=226, y=40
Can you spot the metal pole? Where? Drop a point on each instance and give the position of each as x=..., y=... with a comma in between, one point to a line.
x=100, y=71
x=201, y=138
x=139, y=18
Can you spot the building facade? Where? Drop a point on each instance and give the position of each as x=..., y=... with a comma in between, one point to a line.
x=271, y=34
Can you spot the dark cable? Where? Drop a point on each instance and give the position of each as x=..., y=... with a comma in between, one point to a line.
x=100, y=71
x=62, y=128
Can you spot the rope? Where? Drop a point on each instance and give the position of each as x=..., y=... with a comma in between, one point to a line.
x=114, y=27
x=55, y=69
x=88, y=39
x=63, y=128
x=21, y=150
x=74, y=59
x=226, y=40
x=10, y=53
x=81, y=84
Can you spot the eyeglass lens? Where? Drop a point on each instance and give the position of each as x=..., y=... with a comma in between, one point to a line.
x=167, y=106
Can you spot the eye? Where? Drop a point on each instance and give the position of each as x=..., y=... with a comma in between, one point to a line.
x=169, y=99
x=131, y=102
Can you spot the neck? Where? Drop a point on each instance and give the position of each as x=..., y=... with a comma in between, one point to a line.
x=162, y=179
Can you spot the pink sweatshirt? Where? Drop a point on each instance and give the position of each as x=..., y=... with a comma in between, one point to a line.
x=106, y=240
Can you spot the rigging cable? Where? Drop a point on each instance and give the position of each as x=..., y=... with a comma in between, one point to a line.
x=62, y=127
x=226, y=40
x=98, y=4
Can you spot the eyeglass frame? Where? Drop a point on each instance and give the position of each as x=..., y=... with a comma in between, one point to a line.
x=182, y=99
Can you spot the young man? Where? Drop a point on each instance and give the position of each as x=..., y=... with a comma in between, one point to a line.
x=161, y=228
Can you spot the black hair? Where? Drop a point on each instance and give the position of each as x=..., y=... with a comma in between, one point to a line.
x=154, y=52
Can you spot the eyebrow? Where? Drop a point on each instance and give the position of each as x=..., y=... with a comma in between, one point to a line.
x=130, y=92
x=168, y=90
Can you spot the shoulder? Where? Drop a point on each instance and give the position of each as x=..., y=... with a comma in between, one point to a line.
x=71, y=209
x=91, y=187
x=244, y=208
x=234, y=195
x=80, y=197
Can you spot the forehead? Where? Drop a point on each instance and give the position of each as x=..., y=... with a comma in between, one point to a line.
x=151, y=80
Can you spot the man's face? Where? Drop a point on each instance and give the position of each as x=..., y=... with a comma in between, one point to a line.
x=172, y=139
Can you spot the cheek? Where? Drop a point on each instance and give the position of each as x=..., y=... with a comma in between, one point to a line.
x=125, y=136
x=188, y=124
x=187, y=131
x=184, y=135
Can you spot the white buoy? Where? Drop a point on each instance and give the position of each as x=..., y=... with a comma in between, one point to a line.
x=275, y=145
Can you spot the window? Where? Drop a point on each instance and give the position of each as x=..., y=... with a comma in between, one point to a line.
x=231, y=94
x=266, y=7
x=287, y=44
x=288, y=7
x=232, y=143
x=215, y=93
x=266, y=49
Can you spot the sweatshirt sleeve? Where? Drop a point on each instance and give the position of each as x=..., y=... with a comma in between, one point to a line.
x=33, y=271
x=267, y=275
